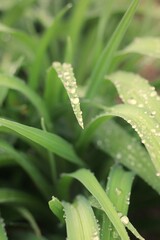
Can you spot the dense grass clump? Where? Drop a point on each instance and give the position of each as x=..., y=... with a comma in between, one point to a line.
x=80, y=120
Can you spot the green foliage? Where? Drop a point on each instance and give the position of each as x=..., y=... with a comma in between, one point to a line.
x=90, y=51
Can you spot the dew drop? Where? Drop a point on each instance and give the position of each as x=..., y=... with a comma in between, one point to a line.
x=153, y=93
x=158, y=174
x=75, y=100
x=118, y=191
x=132, y=101
x=125, y=220
x=118, y=156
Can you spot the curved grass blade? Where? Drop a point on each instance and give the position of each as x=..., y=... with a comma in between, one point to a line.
x=3, y=95
x=15, y=13
x=24, y=38
x=118, y=190
x=143, y=125
x=57, y=208
x=73, y=222
x=87, y=217
x=31, y=220
x=17, y=84
x=52, y=90
x=50, y=141
x=125, y=149
x=87, y=228
x=49, y=35
x=76, y=22
x=3, y=234
x=18, y=198
x=135, y=90
x=148, y=46
x=22, y=160
x=105, y=60
x=91, y=183
x=65, y=73
x=130, y=227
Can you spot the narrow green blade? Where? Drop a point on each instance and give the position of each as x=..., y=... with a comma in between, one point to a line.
x=91, y=183
x=50, y=141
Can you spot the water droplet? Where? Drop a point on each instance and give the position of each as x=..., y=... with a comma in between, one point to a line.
x=125, y=220
x=118, y=191
x=153, y=94
x=118, y=156
x=158, y=174
x=152, y=114
x=75, y=100
x=132, y=101
x=140, y=105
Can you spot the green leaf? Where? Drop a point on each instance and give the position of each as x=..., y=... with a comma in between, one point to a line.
x=91, y=183
x=57, y=208
x=24, y=161
x=135, y=90
x=3, y=234
x=30, y=218
x=18, y=85
x=47, y=37
x=76, y=22
x=105, y=60
x=65, y=73
x=80, y=219
x=118, y=190
x=148, y=46
x=127, y=150
x=73, y=222
x=24, y=38
x=47, y=140
x=142, y=124
x=88, y=219
x=18, y=198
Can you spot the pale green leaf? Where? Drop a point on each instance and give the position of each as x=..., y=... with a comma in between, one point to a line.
x=135, y=90
x=73, y=222
x=127, y=150
x=149, y=46
x=91, y=183
x=118, y=190
x=50, y=141
x=65, y=73
x=57, y=208
x=87, y=217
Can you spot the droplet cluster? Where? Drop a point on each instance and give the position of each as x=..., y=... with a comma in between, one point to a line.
x=65, y=73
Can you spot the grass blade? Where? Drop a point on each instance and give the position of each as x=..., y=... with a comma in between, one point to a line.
x=128, y=151
x=135, y=90
x=49, y=35
x=76, y=22
x=65, y=73
x=22, y=160
x=118, y=190
x=47, y=140
x=57, y=208
x=3, y=234
x=18, y=85
x=31, y=220
x=87, y=217
x=91, y=183
x=107, y=55
x=148, y=46
x=73, y=222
